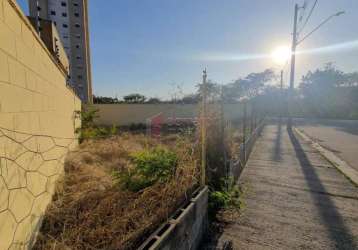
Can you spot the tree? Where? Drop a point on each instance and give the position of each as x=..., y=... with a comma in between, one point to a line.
x=104, y=100
x=153, y=100
x=190, y=99
x=134, y=98
x=249, y=87
x=212, y=90
x=329, y=92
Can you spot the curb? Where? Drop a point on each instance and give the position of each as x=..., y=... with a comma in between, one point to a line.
x=337, y=162
x=185, y=228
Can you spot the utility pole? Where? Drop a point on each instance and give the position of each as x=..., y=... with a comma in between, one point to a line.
x=203, y=131
x=281, y=95
x=293, y=61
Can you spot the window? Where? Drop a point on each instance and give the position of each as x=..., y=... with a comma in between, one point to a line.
x=79, y=77
x=75, y=4
x=78, y=57
x=77, y=25
x=77, y=14
x=78, y=36
x=65, y=37
x=63, y=4
x=38, y=8
x=53, y=13
x=64, y=14
x=79, y=67
x=55, y=23
x=65, y=25
x=77, y=46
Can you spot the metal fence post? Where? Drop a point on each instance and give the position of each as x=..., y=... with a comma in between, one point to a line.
x=203, y=132
x=244, y=130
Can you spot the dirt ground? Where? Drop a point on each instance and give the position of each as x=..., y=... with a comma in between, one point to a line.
x=90, y=211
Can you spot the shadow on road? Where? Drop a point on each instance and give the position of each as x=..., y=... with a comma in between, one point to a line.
x=333, y=221
x=347, y=126
x=278, y=142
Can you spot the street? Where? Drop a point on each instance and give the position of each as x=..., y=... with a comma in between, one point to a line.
x=339, y=136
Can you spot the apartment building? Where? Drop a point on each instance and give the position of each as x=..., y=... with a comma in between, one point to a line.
x=71, y=20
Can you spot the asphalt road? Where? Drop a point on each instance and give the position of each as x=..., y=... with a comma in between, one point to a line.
x=339, y=136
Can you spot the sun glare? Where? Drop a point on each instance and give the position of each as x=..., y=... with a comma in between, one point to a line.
x=281, y=54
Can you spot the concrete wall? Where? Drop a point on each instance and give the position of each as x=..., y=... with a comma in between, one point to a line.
x=125, y=114
x=37, y=123
x=185, y=229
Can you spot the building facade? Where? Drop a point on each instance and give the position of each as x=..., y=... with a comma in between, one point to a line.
x=71, y=19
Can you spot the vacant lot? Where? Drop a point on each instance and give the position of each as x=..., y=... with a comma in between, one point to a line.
x=92, y=209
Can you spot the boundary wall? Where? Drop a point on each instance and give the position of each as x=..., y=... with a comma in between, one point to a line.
x=38, y=119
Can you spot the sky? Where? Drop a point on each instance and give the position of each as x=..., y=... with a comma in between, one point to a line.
x=156, y=47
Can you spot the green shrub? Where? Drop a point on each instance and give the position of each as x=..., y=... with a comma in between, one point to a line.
x=89, y=130
x=227, y=197
x=150, y=166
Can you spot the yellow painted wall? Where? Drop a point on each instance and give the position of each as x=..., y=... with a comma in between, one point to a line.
x=37, y=123
x=126, y=114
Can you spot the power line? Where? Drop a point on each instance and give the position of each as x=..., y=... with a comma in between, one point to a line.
x=308, y=17
x=320, y=25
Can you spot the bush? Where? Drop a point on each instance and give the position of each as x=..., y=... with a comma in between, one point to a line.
x=150, y=166
x=228, y=197
x=89, y=130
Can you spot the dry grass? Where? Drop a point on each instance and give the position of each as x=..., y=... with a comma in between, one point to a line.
x=90, y=212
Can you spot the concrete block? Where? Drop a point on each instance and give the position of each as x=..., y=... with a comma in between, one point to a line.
x=185, y=228
x=9, y=98
x=22, y=120
x=1, y=11
x=6, y=119
x=7, y=39
x=12, y=18
x=20, y=203
x=17, y=73
x=4, y=194
x=37, y=102
x=31, y=80
x=7, y=229
x=4, y=68
x=27, y=36
x=25, y=54
x=34, y=99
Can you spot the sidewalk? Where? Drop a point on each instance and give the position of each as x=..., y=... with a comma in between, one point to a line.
x=295, y=199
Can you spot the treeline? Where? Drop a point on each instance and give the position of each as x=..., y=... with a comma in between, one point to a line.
x=141, y=99
x=326, y=92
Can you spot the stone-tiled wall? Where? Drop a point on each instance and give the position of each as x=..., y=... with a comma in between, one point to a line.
x=37, y=123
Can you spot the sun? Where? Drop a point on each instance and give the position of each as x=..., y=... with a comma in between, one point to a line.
x=281, y=54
